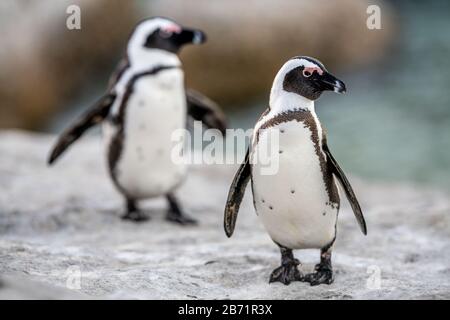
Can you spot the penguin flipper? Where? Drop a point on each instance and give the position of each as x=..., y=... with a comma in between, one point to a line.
x=204, y=109
x=340, y=175
x=235, y=195
x=93, y=116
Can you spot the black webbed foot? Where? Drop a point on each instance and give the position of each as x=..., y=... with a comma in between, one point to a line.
x=176, y=215
x=322, y=275
x=323, y=272
x=288, y=271
x=133, y=213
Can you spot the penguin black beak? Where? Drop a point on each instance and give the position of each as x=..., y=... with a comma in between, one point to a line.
x=328, y=82
x=199, y=37
x=192, y=36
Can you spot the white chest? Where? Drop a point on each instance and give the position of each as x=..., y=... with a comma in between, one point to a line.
x=155, y=109
x=292, y=203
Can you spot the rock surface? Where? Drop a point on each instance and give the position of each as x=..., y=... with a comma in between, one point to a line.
x=61, y=237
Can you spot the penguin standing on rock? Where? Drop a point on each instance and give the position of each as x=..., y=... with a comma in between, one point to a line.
x=145, y=103
x=299, y=204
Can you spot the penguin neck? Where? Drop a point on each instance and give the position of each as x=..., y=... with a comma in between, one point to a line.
x=283, y=101
x=142, y=60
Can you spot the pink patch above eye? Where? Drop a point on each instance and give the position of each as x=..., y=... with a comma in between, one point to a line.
x=312, y=69
x=172, y=28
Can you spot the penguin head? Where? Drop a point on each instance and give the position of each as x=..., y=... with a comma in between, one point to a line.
x=306, y=77
x=162, y=34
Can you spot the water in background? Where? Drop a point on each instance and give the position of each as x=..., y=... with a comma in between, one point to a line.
x=394, y=122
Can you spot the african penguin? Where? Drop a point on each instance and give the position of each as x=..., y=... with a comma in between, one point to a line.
x=298, y=204
x=145, y=103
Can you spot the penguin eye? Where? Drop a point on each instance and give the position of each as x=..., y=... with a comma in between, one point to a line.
x=307, y=73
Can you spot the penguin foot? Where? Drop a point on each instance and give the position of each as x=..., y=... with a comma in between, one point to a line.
x=175, y=214
x=287, y=273
x=133, y=212
x=323, y=274
x=135, y=216
x=178, y=217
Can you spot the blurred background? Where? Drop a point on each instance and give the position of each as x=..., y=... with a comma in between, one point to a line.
x=392, y=125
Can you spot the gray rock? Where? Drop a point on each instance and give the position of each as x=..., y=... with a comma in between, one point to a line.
x=60, y=230
x=17, y=287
